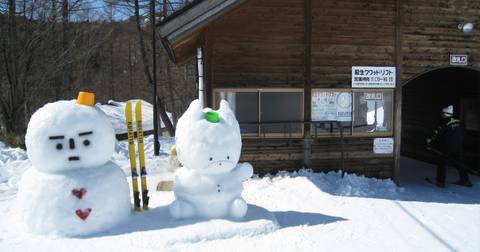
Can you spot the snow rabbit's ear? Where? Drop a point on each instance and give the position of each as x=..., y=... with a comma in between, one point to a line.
x=195, y=110
x=225, y=110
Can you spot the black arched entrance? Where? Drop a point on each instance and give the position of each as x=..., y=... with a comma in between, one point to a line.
x=423, y=98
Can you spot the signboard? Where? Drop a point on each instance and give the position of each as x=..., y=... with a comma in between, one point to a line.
x=374, y=96
x=383, y=145
x=373, y=77
x=331, y=106
x=458, y=59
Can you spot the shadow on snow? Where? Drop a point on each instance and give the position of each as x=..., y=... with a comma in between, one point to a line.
x=258, y=221
x=293, y=219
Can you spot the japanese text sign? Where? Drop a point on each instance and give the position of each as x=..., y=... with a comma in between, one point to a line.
x=458, y=59
x=373, y=77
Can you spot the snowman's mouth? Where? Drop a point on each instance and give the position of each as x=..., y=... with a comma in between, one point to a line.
x=74, y=158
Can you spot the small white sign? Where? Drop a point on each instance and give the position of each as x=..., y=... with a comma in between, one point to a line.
x=373, y=77
x=458, y=59
x=383, y=145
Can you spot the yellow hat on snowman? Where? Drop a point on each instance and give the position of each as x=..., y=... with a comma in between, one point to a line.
x=86, y=98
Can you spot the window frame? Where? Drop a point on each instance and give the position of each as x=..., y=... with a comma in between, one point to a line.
x=388, y=133
x=259, y=133
x=337, y=134
x=352, y=133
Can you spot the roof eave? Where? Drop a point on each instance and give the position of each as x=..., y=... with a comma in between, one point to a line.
x=192, y=18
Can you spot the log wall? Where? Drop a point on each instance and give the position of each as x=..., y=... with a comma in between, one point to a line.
x=263, y=43
x=351, y=32
x=431, y=34
x=259, y=44
x=268, y=43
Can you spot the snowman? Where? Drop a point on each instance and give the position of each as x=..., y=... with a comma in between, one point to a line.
x=209, y=185
x=72, y=188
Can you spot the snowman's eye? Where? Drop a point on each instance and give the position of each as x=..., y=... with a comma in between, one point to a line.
x=228, y=157
x=86, y=142
x=210, y=159
x=59, y=146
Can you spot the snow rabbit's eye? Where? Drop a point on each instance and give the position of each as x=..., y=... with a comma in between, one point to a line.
x=59, y=146
x=228, y=157
x=86, y=142
x=210, y=159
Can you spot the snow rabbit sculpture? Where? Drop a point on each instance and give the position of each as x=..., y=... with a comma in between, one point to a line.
x=209, y=185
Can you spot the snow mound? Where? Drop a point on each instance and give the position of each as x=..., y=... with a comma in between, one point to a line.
x=115, y=112
x=347, y=185
x=13, y=163
x=154, y=164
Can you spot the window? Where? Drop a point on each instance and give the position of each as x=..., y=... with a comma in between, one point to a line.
x=353, y=112
x=283, y=109
x=245, y=107
x=331, y=112
x=373, y=111
x=266, y=112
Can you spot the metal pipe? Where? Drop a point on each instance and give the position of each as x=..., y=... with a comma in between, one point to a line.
x=156, y=143
x=201, y=91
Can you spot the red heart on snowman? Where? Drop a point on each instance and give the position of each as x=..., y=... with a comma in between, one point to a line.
x=79, y=192
x=83, y=214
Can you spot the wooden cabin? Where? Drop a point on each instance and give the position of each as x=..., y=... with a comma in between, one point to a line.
x=325, y=84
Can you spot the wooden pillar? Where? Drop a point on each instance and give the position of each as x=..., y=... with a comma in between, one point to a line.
x=398, y=90
x=308, y=80
x=208, y=60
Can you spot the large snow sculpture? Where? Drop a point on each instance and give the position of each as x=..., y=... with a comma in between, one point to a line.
x=72, y=188
x=209, y=185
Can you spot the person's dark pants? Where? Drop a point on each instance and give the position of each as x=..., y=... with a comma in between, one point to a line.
x=454, y=159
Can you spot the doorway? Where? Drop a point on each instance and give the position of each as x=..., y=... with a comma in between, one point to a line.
x=423, y=98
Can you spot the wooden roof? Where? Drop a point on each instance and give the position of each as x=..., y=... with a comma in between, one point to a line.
x=180, y=31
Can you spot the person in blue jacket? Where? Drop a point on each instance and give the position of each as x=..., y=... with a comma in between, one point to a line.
x=447, y=140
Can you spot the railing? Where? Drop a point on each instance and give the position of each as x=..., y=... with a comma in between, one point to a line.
x=290, y=134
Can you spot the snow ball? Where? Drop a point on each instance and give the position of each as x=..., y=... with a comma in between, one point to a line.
x=64, y=136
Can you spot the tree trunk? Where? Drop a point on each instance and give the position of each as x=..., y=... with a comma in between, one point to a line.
x=15, y=119
x=161, y=105
x=65, y=70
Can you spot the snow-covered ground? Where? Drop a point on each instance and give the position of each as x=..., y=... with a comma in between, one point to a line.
x=301, y=211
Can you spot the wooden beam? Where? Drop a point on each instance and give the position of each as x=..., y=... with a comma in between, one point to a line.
x=398, y=90
x=209, y=66
x=308, y=79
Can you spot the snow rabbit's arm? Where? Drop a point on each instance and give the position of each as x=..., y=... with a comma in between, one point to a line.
x=243, y=171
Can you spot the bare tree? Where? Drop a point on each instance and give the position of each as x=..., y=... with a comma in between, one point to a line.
x=51, y=49
x=146, y=65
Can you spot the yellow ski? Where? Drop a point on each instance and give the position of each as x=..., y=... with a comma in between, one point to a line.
x=131, y=152
x=141, y=155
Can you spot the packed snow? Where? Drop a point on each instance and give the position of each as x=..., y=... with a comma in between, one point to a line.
x=13, y=162
x=209, y=184
x=290, y=211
